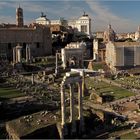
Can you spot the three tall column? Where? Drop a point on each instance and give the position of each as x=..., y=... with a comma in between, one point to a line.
x=63, y=109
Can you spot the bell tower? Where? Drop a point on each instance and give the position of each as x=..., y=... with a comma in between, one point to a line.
x=19, y=17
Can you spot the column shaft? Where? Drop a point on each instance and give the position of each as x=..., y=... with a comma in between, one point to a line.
x=32, y=79
x=63, y=108
x=83, y=84
x=73, y=128
x=56, y=65
x=19, y=55
x=14, y=55
x=63, y=111
x=27, y=53
x=71, y=103
x=80, y=99
x=81, y=127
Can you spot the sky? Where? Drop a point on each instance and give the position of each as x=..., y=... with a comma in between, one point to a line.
x=124, y=16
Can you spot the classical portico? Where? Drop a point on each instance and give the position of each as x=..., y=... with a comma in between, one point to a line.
x=17, y=54
x=70, y=79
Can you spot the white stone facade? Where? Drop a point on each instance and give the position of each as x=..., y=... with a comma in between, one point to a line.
x=61, y=22
x=122, y=54
x=95, y=49
x=42, y=20
x=82, y=24
x=137, y=34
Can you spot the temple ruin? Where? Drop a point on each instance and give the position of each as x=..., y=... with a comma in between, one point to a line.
x=70, y=79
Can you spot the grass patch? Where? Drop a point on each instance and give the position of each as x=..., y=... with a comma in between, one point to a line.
x=97, y=66
x=9, y=92
x=129, y=81
x=107, y=89
x=130, y=135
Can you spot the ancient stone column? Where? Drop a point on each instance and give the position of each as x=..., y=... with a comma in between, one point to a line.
x=80, y=117
x=14, y=55
x=56, y=65
x=18, y=53
x=73, y=130
x=83, y=83
x=28, y=53
x=32, y=78
x=63, y=111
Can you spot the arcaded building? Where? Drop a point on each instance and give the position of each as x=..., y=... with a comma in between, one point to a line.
x=123, y=55
x=37, y=37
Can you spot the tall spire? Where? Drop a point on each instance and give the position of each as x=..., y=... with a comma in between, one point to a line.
x=109, y=26
x=19, y=17
x=139, y=28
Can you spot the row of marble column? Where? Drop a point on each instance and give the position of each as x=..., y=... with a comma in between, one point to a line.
x=17, y=54
x=63, y=108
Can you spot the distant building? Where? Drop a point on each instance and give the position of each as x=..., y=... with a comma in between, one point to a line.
x=99, y=49
x=43, y=20
x=137, y=34
x=61, y=22
x=19, y=17
x=99, y=43
x=38, y=37
x=122, y=55
x=99, y=35
x=72, y=55
x=131, y=35
x=109, y=34
x=82, y=24
x=56, y=28
x=122, y=36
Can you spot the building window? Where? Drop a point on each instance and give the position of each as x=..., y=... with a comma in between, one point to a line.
x=9, y=46
x=38, y=45
x=84, y=28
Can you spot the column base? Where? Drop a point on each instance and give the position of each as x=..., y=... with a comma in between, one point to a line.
x=73, y=128
x=81, y=126
x=64, y=130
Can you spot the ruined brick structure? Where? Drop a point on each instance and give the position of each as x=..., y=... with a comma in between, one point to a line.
x=38, y=37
